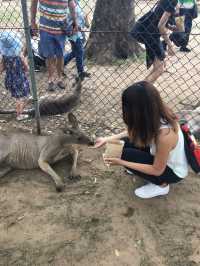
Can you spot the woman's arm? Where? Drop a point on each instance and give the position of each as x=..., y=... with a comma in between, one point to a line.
x=117, y=136
x=164, y=146
x=34, y=4
x=72, y=9
x=163, y=31
x=159, y=164
x=102, y=141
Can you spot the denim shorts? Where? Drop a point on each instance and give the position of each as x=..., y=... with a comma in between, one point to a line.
x=51, y=45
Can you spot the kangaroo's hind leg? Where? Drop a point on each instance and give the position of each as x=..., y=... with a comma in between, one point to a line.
x=46, y=155
x=4, y=169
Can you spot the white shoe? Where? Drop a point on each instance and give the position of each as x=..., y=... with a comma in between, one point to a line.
x=22, y=117
x=150, y=191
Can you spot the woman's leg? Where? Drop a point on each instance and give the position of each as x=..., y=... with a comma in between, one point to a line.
x=144, y=157
x=157, y=71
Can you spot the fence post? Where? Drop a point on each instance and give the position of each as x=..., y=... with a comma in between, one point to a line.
x=31, y=63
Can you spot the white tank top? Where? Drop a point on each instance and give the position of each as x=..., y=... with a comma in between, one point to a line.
x=177, y=159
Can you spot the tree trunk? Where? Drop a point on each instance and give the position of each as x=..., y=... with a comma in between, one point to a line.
x=113, y=19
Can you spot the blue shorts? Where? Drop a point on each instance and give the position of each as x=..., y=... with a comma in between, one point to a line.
x=51, y=45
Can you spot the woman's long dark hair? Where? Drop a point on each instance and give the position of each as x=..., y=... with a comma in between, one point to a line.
x=144, y=112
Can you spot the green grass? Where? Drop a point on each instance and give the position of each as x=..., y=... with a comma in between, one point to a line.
x=121, y=62
x=131, y=59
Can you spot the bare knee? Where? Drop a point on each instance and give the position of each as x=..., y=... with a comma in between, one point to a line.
x=159, y=67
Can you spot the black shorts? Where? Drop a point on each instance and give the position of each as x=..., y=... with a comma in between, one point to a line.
x=151, y=40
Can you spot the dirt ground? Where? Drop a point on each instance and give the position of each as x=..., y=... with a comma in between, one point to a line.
x=96, y=221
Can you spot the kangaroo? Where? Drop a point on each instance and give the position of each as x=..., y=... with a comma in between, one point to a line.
x=53, y=105
x=28, y=151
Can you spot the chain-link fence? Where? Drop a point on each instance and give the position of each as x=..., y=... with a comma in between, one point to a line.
x=99, y=109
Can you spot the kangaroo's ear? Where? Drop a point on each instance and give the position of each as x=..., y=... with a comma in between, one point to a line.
x=72, y=120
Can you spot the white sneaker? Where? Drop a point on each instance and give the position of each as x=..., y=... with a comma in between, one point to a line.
x=150, y=191
x=22, y=117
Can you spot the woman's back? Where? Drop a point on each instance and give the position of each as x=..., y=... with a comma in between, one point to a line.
x=177, y=159
x=152, y=18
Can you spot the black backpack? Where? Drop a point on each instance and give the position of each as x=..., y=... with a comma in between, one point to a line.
x=192, y=148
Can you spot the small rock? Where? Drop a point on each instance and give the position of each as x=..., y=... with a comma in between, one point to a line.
x=116, y=252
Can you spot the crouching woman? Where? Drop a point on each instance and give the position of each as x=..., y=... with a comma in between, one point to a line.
x=154, y=143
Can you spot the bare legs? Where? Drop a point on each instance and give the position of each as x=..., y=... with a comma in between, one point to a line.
x=20, y=104
x=55, y=64
x=59, y=67
x=51, y=62
x=156, y=72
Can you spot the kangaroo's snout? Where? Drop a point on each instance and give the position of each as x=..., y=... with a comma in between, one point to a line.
x=88, y=141
x=91, y=143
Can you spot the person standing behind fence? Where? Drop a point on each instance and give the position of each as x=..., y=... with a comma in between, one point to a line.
x=53, y=15
x=77, y=41
x=188, y=9
x=148, y=30
x=15, y=66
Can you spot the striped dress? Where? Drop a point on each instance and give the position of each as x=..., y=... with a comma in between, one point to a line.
x=53, y=15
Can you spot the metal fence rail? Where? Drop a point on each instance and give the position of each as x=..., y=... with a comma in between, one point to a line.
x=100, y=107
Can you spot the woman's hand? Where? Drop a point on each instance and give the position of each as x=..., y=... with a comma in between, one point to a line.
x=113, y=161
x=100, y=142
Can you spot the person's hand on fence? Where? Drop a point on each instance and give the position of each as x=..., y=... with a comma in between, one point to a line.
x=99, y=142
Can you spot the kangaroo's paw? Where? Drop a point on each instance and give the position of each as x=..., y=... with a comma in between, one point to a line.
x=60, y=187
